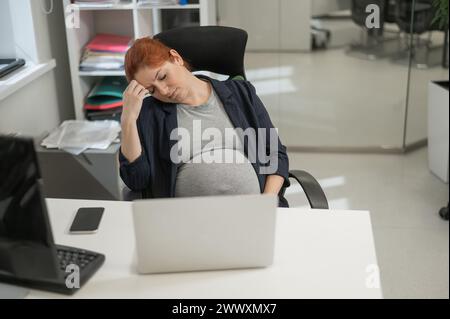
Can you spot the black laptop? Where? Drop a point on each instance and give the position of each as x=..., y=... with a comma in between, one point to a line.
x=28, y=255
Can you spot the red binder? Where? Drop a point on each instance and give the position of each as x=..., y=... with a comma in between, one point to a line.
x=109, y=43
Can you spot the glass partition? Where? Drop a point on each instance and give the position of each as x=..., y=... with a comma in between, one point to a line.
x=334, y=75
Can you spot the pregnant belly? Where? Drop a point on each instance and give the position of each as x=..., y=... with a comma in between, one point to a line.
x=221, y=172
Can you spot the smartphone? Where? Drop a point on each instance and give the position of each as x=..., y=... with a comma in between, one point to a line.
x=87, y=220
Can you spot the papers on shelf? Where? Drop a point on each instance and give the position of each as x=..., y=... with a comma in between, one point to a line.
x=105, y=52
x=97, y=3
x=158, y=2
x=104, y=62
x=77, y=136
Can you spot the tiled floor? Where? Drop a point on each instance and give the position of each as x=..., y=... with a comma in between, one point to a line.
x=412, y=241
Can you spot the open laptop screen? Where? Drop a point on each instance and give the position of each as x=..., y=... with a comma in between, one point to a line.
x=23, y=215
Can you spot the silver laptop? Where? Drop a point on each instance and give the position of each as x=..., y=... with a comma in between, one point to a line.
x=204, y=233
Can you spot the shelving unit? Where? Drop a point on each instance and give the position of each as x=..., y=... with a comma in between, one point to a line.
x=129, y=18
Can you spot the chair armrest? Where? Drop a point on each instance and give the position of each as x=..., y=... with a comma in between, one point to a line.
x=443, y=212
x=129, y=195
x=313, y=190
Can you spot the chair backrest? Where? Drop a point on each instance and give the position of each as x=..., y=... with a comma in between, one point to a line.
x=390, y=11
x=216, y=49
x=423, y=15
x=359, y=14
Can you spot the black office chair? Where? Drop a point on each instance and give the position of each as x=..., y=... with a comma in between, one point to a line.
x=359, y=16
x=443, y=212
x=209, y=48
x=423, y=16
x=375, y=42
x=370, y=38
x=413, y=25
x=390, y=12
x=221, y=50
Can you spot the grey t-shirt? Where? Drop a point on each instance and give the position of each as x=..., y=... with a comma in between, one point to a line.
x=212, y=156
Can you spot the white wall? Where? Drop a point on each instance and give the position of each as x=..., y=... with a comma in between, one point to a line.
x=45, y=102
x=33, y=110
x=323, y=7
x=6, y=36
x=23, y=27
x=295, y=25
x=271, y=24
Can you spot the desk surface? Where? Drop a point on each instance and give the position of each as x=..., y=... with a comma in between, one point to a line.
x=319, y=254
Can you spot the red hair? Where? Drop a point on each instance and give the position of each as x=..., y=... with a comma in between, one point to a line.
x=146, y=52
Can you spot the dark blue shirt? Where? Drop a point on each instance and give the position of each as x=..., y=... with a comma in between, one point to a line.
x=155, y=173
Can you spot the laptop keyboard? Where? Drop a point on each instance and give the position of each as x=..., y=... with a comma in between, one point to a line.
x=79, y=257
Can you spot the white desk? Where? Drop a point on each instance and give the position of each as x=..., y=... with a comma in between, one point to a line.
x=320, y=254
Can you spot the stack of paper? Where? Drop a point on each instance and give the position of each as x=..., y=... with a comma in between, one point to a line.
x=105, y=52
x=77, y=136
x=159, y=2
x=97, y=3
x=92, y=60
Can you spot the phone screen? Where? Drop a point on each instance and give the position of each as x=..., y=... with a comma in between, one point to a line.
x=87, y=220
